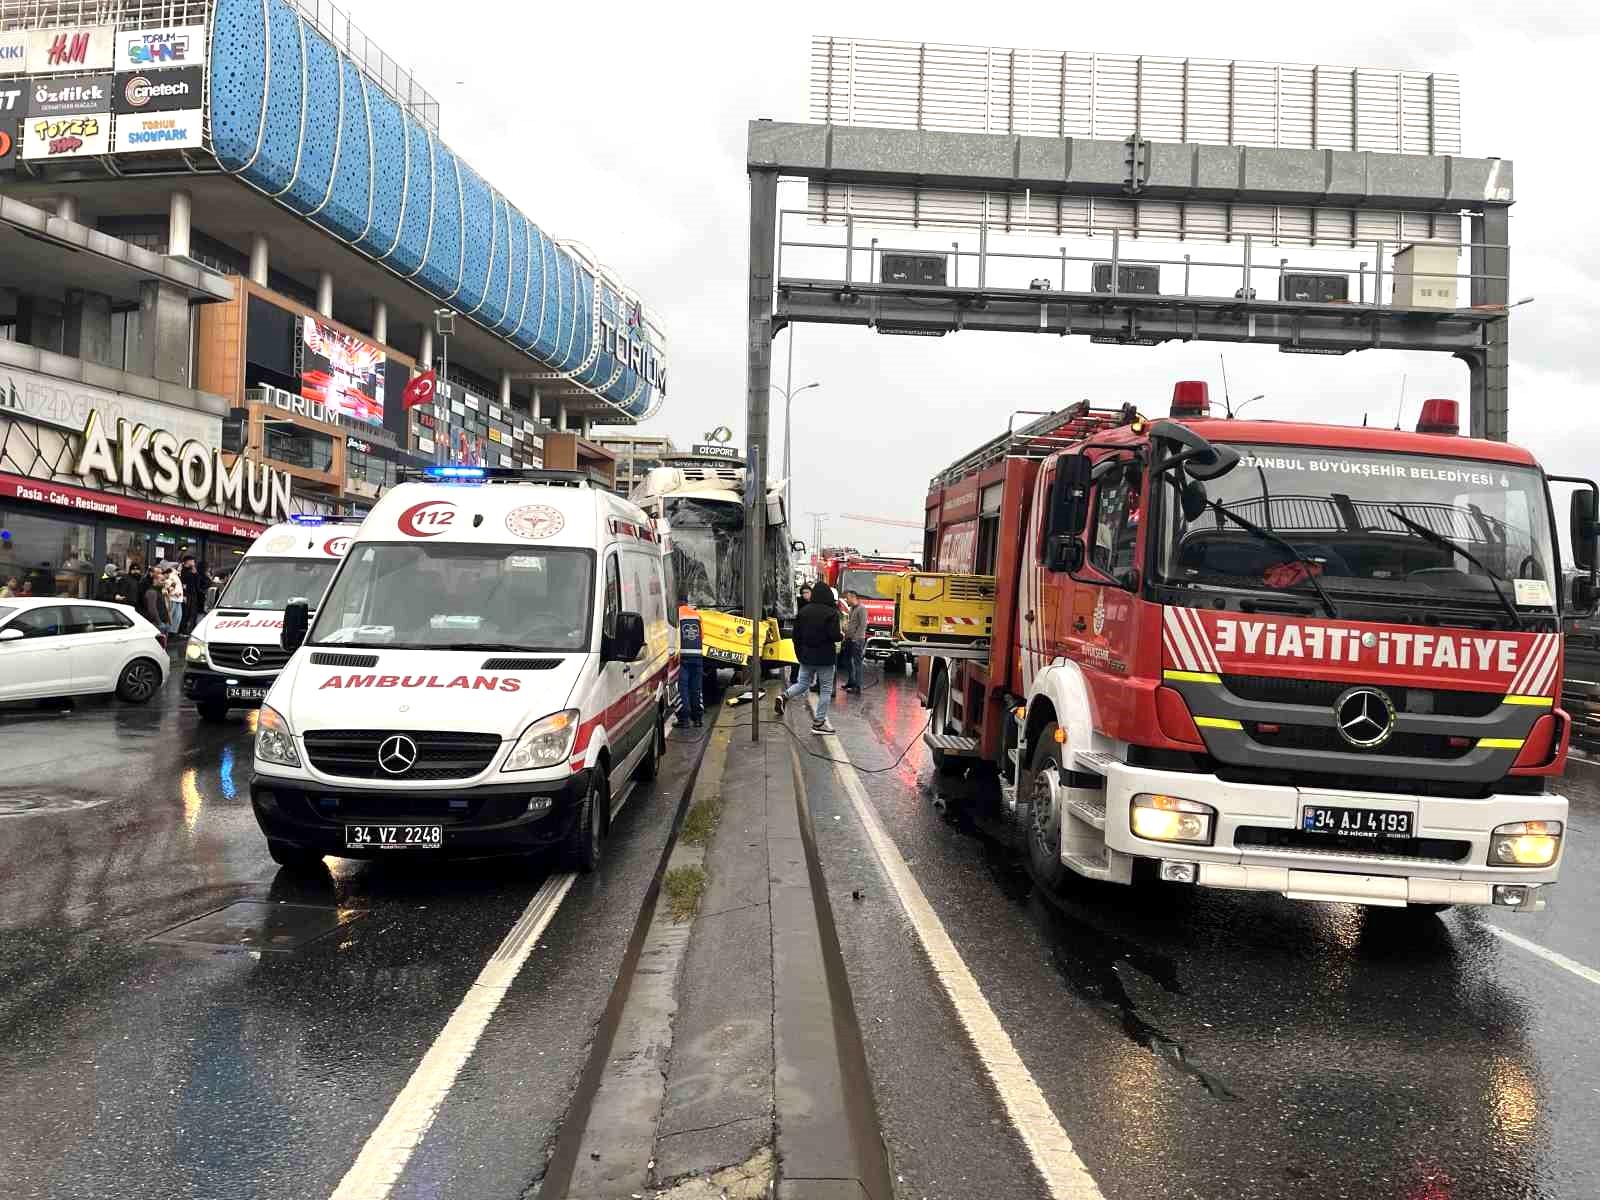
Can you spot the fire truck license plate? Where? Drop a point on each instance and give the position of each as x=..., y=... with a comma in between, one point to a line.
x=1355, y=822
x=393, y=837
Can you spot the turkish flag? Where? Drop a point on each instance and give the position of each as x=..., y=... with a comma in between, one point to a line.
x=420, y=390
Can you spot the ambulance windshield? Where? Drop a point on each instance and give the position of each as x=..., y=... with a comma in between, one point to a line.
x=1353, y=515
x=443, y=596
x=270, y=584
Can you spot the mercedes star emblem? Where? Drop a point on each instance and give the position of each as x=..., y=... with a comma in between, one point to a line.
x=397, y=754
x=251, y=656
x=1365, y=717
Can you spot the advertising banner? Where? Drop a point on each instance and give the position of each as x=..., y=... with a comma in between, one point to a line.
x=13, y=52
x=158, y=131
x=85, y=48
x=63, y=97
x=65, y=404
x=159, y=91
x=106, y=504
x=155, y=49
x=66, y=137
x=341, y=372
x=13, y=98
x=10, y=139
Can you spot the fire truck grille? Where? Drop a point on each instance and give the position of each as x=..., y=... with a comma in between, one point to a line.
x=353, y=753
x=1317, y=693
x=1441, y=850
x=1399, y=745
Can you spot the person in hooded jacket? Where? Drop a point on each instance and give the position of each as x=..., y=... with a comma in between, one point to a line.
x=816, y=639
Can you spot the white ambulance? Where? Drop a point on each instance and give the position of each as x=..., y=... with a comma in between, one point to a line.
x=486, y=675
x=234, y=652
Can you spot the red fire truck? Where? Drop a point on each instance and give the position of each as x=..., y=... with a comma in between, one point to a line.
x=1315, y=660
x=844, y=568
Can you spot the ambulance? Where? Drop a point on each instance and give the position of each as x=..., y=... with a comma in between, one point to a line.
x=234, y=653
x=488, y=674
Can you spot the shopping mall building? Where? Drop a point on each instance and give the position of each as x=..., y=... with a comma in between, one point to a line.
x=230, y=237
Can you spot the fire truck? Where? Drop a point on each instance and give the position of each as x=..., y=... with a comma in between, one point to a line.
x=844, y=568
x=1315, y=660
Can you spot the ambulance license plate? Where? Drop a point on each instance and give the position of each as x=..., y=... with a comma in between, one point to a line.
x=254, y=695
x=1370, y=823
x=393, y=837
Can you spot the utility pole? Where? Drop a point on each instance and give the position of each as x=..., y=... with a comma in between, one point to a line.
x=444, y=324
x=763, y=233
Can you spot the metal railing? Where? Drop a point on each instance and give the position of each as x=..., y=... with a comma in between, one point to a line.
x=979, y=267
x=335, y=24
x=125, y=14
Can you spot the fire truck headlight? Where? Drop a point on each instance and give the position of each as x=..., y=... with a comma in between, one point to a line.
x=1525, y=844
x=1162, y=818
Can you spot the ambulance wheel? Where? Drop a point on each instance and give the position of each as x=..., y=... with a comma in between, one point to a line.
x=295, y=858
x=581, y=851
x=1042, y=819
x=939, y=722
x=650, y=764
x=212, y=712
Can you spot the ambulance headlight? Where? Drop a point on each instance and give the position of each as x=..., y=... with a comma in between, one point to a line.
x=195, y=652
x=1163, y=818
x=545, y=743
x=1525, y=844
x=274, y=738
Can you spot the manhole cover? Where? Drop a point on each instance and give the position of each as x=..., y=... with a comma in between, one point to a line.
x=257, y=925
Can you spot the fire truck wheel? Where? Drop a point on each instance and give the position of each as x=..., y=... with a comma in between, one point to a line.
x=939, y=722
x=1042, y=821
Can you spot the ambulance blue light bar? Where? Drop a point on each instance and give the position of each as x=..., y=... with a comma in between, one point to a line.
x=454, y=472
x=307, y=519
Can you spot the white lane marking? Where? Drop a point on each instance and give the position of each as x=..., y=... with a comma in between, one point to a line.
x=1063, y=1171
x=1550, y=956
x=377, y=1168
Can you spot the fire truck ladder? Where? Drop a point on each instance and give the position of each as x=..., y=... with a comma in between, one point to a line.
x=1039, y=438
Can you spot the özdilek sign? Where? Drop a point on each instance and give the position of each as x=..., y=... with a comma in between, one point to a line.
x=135, y=456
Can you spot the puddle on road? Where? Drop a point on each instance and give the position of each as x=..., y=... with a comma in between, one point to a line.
x=257, y=925
x=22, y=804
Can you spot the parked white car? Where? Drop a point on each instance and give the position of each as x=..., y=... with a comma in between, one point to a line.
x=52, y=646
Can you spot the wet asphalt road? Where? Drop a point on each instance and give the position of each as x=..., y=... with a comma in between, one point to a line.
x=134, y=1068
x=1208, y=1044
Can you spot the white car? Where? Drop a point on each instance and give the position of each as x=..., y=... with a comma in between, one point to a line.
x=53, y=646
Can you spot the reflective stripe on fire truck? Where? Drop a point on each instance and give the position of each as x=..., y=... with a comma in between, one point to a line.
x=1218, y=723
x=1536, y=701
x=1191, y=677
x=1186, y=642
x=1539, y=668
x=1500, y=743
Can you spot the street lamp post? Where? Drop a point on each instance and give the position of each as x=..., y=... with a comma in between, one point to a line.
x=444, y=324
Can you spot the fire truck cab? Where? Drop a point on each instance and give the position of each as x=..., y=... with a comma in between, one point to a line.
x=1315, y=660
x=847, y=569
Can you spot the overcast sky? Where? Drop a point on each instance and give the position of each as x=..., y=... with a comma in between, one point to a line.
x=622, y=125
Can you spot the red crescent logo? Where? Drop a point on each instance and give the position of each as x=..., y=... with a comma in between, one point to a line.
x=338, y=547
x=428, y=519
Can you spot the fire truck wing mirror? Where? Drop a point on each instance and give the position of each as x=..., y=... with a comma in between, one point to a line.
x=1199, y=457
x=1582, y=597
x=798, y=546
x=1065, y=555
x=1584, y=530
x=1194, y=500
x=1069, y=495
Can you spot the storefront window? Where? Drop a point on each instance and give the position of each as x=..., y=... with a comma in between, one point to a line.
x=43, y=556
x=369, y=468
x=299, y=447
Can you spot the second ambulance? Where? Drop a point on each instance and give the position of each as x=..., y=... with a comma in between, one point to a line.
x=487, y=674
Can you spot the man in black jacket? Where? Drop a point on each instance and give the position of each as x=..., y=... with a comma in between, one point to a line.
x=816, y=645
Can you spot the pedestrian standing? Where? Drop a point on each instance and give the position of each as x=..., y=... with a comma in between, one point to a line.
x=9, y=588
x=855, y=641
x=805, y=599
x=194, y=589
x=172, y=585
x=153, y=600
x=816, y=643
x=691, y=667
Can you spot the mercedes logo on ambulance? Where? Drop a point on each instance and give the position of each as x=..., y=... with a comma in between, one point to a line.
x=1365, y=717
x=397, y=754
x=251, y=656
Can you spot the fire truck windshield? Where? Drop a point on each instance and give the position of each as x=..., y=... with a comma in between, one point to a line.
x=1339, y=508
x=862, y=582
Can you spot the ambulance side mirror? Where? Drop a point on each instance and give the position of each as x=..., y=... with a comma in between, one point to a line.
x=296, y=620
x=626, y=639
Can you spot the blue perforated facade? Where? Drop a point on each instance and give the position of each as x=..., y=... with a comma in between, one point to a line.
x=290, y=113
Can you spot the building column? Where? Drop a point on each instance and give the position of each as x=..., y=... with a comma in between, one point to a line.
x=39, y=323
x=380, y=322
x=536, y=410
x=67, y=207
x=178, y=225
x=259, y=260
x=505, y=390
x=86, y=328
x=425, y=351
x=325, y=293
x=561, y=415
x=585, y=422
x=161, y=349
